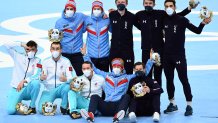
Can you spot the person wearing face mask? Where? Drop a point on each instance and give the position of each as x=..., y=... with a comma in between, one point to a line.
x=174, y=53
x=56, y=74
x=97, y=28
x=72, y=24
x=25, y=83
x=115, y=87
x=149, y=104
x=151, y=26
x=122, y=22
x=93, y=85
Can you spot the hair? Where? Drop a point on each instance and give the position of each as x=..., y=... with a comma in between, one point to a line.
x=56, y=43
x=173, y=1
x=149, y=0
x=31, y=43
x=126, y=1
x=139, y=63
x=88, y=62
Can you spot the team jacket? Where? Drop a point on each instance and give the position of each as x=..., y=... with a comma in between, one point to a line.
x=93, y=86
x=151, y=26
x=116, y=85
x=54, y=70
x=122, y=35
x=174, y=28
x=23, y=67
x=97, y=36
x=73, y=29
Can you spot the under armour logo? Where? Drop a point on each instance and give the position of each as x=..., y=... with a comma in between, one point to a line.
x=166, y=26
x=144, y=21
x=128, y=60
x=114, y=21
x=178, y=62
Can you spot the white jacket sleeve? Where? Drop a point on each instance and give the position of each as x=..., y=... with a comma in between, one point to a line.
x=10, y=48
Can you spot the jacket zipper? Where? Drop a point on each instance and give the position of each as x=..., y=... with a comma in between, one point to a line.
x=27, y=68
x=55, y=72
x=90, y=86
x=98, y=40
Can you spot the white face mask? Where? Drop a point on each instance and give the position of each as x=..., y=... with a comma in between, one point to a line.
x=69, y=13
x=96, y=13
x=116, y=71
x=55, y=54
x=169, y=11
x=31, y=54
x=87, y=73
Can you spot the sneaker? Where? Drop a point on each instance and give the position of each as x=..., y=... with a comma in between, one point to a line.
x=64, y=111
x=89, y=116
x=119, y=116
x=156, y=117
x=32, y=110
x=132, y=117
x=75, y=115
x=189, y=111
x=171, y=108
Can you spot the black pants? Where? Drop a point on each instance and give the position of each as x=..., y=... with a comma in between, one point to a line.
x=108, y=108
x=128, y=58
x=145, y=106
x=101, y=63
x=157, y=69
x=76, y=60
x=178, y=62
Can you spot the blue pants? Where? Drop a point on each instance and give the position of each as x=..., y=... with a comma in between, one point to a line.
x=30, y=92
x=77, y=102
x=50, y=96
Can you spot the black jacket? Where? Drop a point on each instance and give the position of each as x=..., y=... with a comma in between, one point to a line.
x=122, y=31
x=174, y=27
x=151, y=25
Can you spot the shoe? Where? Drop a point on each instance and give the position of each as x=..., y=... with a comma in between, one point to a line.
x=119, y=116
x=132, y=117
x=171, y=108
x=156, y=117
x=89, y=116
x=64, y=111
x=32, y=110
x=189, y=111
x=75, y=115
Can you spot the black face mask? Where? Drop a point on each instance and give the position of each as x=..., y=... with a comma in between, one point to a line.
x=148, y=8
x=121, y=7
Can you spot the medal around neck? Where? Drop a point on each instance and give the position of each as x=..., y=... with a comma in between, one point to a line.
x=55, y=35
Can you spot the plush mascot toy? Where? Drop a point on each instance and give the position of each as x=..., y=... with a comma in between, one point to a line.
x=55, y=35
x=49, y=109
x=194, y=3
x=76, y=84
x=22, y=109
x=139, y=89
x=156, y=58
x=205, y=13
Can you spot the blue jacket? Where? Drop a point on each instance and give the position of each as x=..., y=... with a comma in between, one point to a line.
x=97, y=36
x=116, y=85
x=73, y=29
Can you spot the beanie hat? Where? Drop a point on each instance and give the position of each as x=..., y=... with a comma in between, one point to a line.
x=97, y=4
x=118, y=62
x=71, y=3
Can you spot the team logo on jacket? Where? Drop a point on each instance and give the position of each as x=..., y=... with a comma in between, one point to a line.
x=114, y=21
x=144, y=21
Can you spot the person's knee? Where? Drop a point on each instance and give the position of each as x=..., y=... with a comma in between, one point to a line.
x=35, y=84
x=95, y=97
x=71, y=93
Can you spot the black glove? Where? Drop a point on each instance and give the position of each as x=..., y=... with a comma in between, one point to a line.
x=140, y=73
